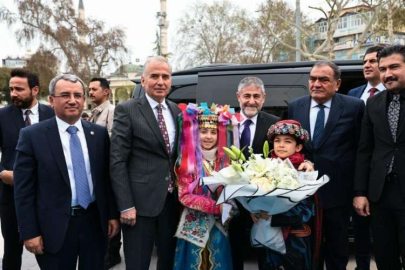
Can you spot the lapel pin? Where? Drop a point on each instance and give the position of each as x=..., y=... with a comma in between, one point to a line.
x=92, y=132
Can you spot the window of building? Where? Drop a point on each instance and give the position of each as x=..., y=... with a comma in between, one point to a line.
x=342, y=23
x=322, y=27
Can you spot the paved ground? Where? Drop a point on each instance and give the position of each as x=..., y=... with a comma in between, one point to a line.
x=29, y=262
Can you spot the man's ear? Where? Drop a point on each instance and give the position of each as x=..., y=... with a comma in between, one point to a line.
x=35, y=91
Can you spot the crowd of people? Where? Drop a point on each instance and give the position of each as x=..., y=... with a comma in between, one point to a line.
x=71, y=186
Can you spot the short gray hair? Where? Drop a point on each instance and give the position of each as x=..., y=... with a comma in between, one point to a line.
x=336, y=70
x=67, y=77
x=155, y=58
x=249, y=81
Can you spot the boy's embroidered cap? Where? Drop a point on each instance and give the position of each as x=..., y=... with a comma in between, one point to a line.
x=288, y=127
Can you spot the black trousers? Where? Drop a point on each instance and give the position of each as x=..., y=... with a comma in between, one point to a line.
x=13, y=247
x=388, y=228
x=140, y=239
x=239, y=237
x=362, y=240
x=84, y=239
x=335, y=247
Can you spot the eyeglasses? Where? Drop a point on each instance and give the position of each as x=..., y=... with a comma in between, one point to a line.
x=67, y=96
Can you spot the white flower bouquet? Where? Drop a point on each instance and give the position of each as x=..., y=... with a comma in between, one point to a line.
x=264, y=184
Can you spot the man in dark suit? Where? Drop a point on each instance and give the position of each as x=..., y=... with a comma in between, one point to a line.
x=24, y=110
x=371, y=74
x=251, y=96
x=143, y=146
x=380, y=172
x=64, y=202
x=361, y=225
x=334, y=123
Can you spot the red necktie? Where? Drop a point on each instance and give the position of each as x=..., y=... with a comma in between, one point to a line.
x=372, y=92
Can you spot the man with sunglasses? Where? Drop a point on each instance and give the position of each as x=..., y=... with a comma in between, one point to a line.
x=334, y=122
x=64, y=202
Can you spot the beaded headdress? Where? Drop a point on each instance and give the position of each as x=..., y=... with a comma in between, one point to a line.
x=288, y=127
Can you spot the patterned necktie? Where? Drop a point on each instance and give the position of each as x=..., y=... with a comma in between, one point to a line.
x=393, y=117
x=319, y=125
x=27, y=120
x=163, y=129
x=372, y=92
x=79, y=169
x=245, y=138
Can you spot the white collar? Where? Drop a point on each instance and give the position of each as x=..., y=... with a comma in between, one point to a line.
x=380, y=87
x=327, y=104
x=34, y=109
x=63, y=126
x=153, y=103
x=253, y=119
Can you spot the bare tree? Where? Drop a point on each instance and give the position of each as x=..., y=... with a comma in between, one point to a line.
x=84, y=44
x=211, y=34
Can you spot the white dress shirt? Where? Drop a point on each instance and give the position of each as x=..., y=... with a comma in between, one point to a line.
x=34, y=115
x=65, y=139
x=167, y=115
x=366, y=93
x=313, y=113
x=252, y=126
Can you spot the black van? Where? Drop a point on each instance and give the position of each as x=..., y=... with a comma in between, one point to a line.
x=283, y=82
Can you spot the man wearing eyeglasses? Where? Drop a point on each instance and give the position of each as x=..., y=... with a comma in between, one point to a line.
x=64, y=202
x=334, y=122
x=23, y=111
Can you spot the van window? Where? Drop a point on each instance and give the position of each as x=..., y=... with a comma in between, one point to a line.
x=183, y=94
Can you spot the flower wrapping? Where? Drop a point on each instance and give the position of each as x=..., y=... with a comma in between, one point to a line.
x=265, y=184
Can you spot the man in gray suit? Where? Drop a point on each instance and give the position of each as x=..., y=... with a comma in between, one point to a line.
x=142, y=160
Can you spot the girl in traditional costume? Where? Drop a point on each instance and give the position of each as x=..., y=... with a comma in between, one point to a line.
x=202, y=238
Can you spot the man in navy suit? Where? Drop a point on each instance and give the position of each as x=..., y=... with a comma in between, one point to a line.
x=373, y=87
x=371, y=74
x=24, y=110
x=334, y=122
x=63, y=196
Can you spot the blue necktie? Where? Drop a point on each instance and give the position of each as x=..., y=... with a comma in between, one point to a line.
x=319, y=125
x=79, y=169
x=245, y=138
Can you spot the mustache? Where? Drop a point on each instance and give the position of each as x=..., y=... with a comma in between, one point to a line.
x=393, y=79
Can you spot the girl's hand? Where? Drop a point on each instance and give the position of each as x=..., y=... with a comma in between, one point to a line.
x=255, y=217
x=264, y=215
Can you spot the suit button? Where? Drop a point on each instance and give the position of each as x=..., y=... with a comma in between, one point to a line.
x=167, y=178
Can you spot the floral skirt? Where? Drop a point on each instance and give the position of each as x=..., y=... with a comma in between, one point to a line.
x=215, y=256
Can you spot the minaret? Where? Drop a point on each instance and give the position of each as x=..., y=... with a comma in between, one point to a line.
x=164, y=24
x=81, y=10
x=82, y=38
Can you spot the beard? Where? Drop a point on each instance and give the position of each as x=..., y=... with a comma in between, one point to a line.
x=24, y=103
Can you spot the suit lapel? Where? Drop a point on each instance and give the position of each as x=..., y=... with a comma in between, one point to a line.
x=52, y=134
x=361, y=91
x=260, y=128
x=401, y=126
x=334, y=114
x=303, y=118
x=91, y=148
x=40, y=112
x=175, y=111
x=17, y=115
x=150, y=118
x=382, y=105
